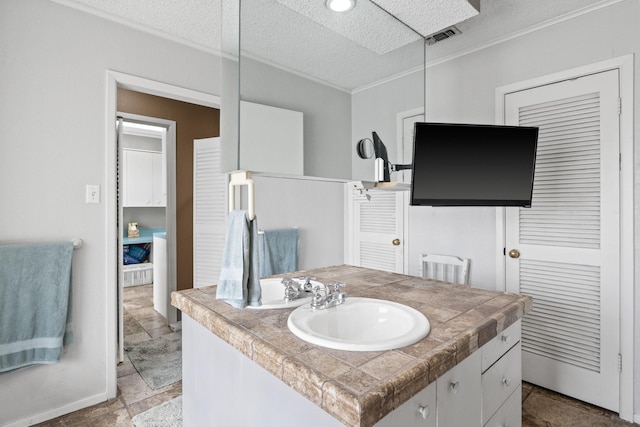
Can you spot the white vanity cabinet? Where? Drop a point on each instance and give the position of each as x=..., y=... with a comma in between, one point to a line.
x=502, y=379
x=483, y=390
x=143, y=182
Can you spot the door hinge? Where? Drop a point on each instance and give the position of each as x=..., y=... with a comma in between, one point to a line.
x=620, y=161
x=619, y=362
x=619, y=106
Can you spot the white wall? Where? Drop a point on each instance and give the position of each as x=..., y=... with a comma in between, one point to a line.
x=315, y=206
x=326, y=114
x=463, y=90
x=53, y=63
x=376, y=109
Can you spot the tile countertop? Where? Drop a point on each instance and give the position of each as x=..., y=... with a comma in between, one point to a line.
x=360, y=388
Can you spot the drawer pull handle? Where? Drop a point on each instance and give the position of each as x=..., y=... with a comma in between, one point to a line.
x=505, y=338
x=454, y=387
x=424, y=411
x=506, y=381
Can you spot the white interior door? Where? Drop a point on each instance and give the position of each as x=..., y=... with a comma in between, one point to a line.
x=568, y=241
x=378, y=228
x=209, y=211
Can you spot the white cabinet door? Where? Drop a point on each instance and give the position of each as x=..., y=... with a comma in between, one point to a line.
x=142, y=180
x=158, y=181
x=136, y=183
x=419, y=411
x=459, y=394
x=378, y=230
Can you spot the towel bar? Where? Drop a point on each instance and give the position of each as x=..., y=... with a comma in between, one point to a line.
x=77, y=243
x=242, y=178
x=262, y=231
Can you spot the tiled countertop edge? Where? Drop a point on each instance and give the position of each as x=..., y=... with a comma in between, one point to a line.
x=349, y=408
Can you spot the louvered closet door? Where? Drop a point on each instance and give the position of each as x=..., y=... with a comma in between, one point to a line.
x=569, y=239
x=378, y=231
x=209, y=212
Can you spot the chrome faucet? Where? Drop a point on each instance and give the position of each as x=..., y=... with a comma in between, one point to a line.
x=293, y=289
x=323, y=299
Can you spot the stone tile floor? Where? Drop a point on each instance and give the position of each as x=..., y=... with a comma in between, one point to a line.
x=544, y=408
x=141, y=323
x=540, y=407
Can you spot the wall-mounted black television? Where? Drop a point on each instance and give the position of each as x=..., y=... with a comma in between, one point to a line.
x=473, y=165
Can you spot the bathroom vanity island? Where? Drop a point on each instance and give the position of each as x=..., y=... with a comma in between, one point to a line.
x=243, y=367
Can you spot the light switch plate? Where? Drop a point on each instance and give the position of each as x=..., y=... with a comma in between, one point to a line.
x=93, y=194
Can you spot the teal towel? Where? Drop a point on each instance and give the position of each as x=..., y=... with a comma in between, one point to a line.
x=239, y=283
x=35, y=303
x=279, y=251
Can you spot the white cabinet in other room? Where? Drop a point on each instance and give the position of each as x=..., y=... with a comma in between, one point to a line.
x=143, y=181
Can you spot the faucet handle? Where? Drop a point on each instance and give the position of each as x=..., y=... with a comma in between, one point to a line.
x=336, y=286
x=307, y=286
x=286, y=281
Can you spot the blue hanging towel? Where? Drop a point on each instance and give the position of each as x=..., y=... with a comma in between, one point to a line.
x=279, y=251
x=35, y=303
x=239, y=283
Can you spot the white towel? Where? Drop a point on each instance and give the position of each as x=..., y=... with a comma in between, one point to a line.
x=239, y=283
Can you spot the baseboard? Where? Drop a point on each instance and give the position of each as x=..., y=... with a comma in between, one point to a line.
x=58, y=412
x=636, y=418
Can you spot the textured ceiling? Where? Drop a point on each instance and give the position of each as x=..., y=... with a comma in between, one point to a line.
x=284, y=33
x=428, y=17
x=358, y=25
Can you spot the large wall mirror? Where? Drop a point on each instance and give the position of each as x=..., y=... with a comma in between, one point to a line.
x=290, y=72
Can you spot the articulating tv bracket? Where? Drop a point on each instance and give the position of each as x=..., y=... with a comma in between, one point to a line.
x=383, y=167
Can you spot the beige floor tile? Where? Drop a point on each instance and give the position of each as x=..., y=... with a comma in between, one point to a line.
x=125, y=368
x=136, y=338
x=155, y=333
x=134, y=389
x=153, y=321
x=101, y=410
x=543, y=408
x=171, y=392
x=119, y=418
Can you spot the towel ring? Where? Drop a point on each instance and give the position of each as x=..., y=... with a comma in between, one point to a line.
x=242, y=178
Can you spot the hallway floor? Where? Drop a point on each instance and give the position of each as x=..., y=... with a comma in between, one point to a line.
x=540, y=407
x=141, y=323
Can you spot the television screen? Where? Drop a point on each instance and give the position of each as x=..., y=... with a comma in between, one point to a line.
x=473, y=165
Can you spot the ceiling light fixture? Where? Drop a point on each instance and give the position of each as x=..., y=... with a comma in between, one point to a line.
x=340, y=5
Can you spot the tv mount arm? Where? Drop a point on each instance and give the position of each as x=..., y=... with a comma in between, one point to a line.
x=383, y=167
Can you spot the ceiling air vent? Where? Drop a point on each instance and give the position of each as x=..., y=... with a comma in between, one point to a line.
x=442, y=35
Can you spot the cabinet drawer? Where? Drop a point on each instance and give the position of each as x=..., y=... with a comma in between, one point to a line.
x=510, y=413
x=498, y=346
x=500, y=381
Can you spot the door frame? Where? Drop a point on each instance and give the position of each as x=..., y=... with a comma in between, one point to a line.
x=114, y=81
x=400, y=153
x=625, y=68
x=169, y=153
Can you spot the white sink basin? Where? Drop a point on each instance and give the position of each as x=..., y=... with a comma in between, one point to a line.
x=273, y=295
x=360, y=324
